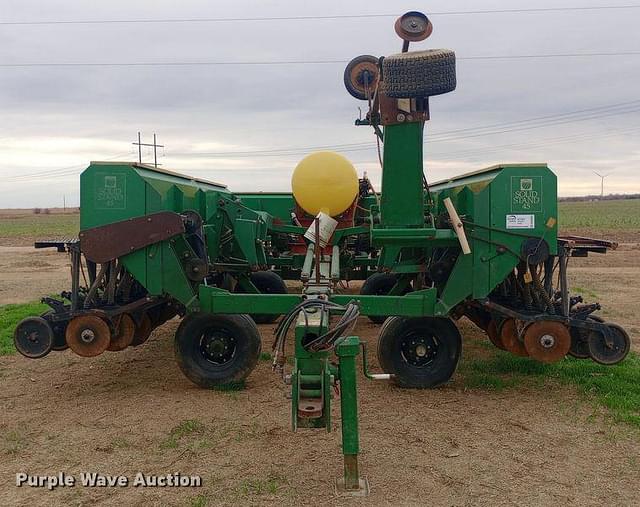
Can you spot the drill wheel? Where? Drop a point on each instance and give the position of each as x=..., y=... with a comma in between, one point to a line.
x=59, y=328
x=420, y=352
x=33, y=337
x=217, y=351
x=494, y=334
x=88, y=335
x=124, y=333
x=510, y=340
x=362, y=75
x=614, y=351
x=580, y=339
x=143, y=330
x=547, y=341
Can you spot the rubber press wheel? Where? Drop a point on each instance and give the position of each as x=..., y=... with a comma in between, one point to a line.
x=613, y=352
x=379, y=284
x=59, y=328
x=33, y=337
x=419, y=74
x=580, y=339
x=421, y=352
x=267, y=282
x=217, y=350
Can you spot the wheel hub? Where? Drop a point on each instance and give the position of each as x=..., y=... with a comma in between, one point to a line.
x=218, y=348
x=547, y=341
x=419, y=350
x=87, y=335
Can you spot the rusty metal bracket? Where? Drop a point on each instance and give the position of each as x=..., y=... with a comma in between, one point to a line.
x=107, y=242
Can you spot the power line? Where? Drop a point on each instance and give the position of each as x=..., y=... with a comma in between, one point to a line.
x=299, y=62
x=584, y=136
x=446, y=136
x=53, y=173
x=314, y=18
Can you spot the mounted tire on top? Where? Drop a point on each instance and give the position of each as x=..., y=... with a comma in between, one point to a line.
x=419, y=74
x=420, y=352
x=217, y=350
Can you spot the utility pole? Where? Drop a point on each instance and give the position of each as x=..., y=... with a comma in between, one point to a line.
x=602, y=177
x=64, y=202
x=155, y=145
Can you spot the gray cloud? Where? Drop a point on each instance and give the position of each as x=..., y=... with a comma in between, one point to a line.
x=63, y=117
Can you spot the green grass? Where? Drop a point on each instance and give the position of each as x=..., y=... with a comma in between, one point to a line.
x=199, y=501
x=13, y=442
x=10, y=315
x=39, y=226
x=258, y=486
x=616, y=388
x=182, y=430
x=621, y=214
x=231, y=386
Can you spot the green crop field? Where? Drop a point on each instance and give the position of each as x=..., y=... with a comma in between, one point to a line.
x=617, y=215
x=605, y=215
x=30, y=226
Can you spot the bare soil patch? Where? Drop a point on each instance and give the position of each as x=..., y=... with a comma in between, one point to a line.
x=118, y=414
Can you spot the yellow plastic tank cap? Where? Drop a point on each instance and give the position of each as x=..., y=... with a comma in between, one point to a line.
x=324, y=181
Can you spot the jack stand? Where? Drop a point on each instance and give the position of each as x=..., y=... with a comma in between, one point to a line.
x=350, y=484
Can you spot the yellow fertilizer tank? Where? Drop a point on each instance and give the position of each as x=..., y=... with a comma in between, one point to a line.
x=324, y=181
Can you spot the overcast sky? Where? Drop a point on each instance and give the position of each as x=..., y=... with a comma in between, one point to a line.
x=57, y=119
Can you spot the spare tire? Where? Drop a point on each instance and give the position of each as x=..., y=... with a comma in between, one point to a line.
x=419, y=74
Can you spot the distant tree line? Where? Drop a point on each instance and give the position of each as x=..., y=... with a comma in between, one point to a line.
x=608, y=197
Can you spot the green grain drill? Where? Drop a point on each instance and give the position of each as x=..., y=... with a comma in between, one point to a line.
x=155, y=244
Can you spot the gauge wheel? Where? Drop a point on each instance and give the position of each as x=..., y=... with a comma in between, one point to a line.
x=33, y=337
x=217, y=350
x=613, y=352
x=580, y=339
x=58, y=327
x=420, y=352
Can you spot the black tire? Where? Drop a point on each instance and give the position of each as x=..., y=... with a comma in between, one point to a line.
x=217, y=350
x=379, y=284
x=602, y=354
x=580, y=339
x=33, y=337
x=267, y=282
x=59, y=329
x=442, y=348
x=419, y=74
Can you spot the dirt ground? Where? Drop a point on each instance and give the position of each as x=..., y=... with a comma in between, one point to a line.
x=114, y=414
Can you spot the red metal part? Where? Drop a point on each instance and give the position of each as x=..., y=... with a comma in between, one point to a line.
x=107, y=242
x=345, y=220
